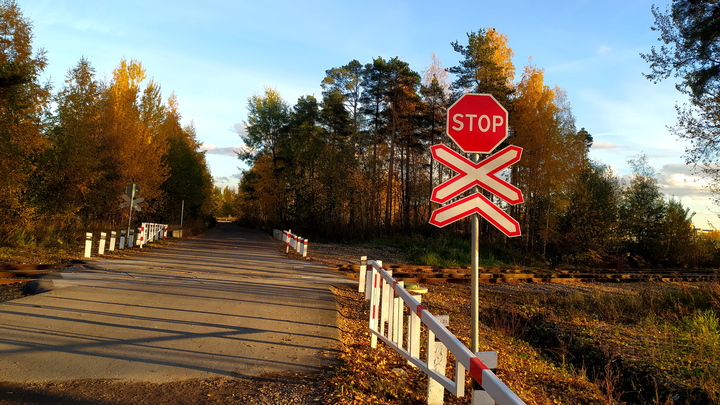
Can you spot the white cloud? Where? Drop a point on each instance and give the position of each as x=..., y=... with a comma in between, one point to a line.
x=603, y=50
x=604, y=145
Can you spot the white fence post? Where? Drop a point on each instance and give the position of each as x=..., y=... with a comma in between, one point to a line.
x=141, y=237
x=375, y=302
x=305, y=248
x=101, y=248
x=362, y=274
x=88, y=244
x=436, y=360
x=385, y=305
x=414, y=330
x=113, y=237
x=398, y=310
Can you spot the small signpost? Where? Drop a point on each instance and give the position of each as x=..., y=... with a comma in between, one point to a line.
x=131, y=191
x=477, y=124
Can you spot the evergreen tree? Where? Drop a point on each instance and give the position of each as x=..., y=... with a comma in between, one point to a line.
x=486, y=66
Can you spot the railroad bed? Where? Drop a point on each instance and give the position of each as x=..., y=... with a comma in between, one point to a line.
x=24, y=273
x=431, y=275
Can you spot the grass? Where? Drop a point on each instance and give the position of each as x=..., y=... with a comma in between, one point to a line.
x=444, y=251
x=662, y=340
x=640, y=343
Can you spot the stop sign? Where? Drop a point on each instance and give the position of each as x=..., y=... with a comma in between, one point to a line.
x=477, y=123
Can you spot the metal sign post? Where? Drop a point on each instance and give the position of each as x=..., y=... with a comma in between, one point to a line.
x=132, y=197
x=474, y=276
x=131, y=191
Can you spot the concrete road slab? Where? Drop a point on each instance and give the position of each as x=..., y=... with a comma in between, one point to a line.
x=226, y=304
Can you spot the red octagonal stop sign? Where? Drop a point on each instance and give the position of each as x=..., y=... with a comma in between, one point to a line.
x=477, y=123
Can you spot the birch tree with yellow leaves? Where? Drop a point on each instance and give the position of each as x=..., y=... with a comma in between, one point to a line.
x=554, y=154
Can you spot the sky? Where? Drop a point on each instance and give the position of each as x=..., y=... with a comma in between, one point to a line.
x=215, y=54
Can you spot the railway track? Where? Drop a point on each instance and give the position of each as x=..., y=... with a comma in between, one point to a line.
x=434, y=275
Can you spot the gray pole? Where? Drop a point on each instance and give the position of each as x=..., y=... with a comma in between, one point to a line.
x=182, y=214
x=132, y=197
x=475, y=263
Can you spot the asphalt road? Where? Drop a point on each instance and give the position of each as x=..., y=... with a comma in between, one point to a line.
x=225, y=304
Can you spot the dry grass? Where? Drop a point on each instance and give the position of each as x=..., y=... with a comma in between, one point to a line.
x=604, y=344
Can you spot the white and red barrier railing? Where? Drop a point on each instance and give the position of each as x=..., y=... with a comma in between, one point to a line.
x=388, y=299
x=147, y=232
x=296, y=242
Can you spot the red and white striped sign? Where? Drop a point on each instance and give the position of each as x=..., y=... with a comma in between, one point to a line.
x=476, y=204
x=470, y=174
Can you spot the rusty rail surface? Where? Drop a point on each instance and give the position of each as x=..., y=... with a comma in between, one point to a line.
x=434, y=275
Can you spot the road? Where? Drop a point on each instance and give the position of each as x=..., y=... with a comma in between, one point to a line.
x=226, y=304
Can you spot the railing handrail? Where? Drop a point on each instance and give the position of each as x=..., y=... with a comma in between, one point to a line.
x=499, y=392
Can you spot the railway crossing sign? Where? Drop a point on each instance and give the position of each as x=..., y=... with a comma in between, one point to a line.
x=483, y=174
x=135, y=202
x=132, y=190
x=476, y=204
x=477, y=123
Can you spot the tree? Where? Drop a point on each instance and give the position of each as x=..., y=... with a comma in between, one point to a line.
x=347, y=81
x=437, y=73
x=678, y=237
x=642, y=211
x=267, y=118
x=487, y=65
x=588, y=228
x=554, y=154
x=22, y=102
x=690, y=33
x=133, y=146
x=73, y=163
x=189, y=183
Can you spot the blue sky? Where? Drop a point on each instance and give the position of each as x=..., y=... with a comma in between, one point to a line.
x=214, y=54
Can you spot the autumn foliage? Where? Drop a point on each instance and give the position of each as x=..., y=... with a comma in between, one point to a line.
x=357, y=164
x=67, y=156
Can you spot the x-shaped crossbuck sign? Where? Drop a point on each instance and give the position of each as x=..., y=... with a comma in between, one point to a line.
x=483, y=174
x=470, y=174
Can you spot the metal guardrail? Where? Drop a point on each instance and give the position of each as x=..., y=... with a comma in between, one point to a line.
x=388, y=298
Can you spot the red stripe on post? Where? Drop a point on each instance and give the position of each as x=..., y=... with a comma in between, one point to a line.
x=476, y=369
x=419, y=309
